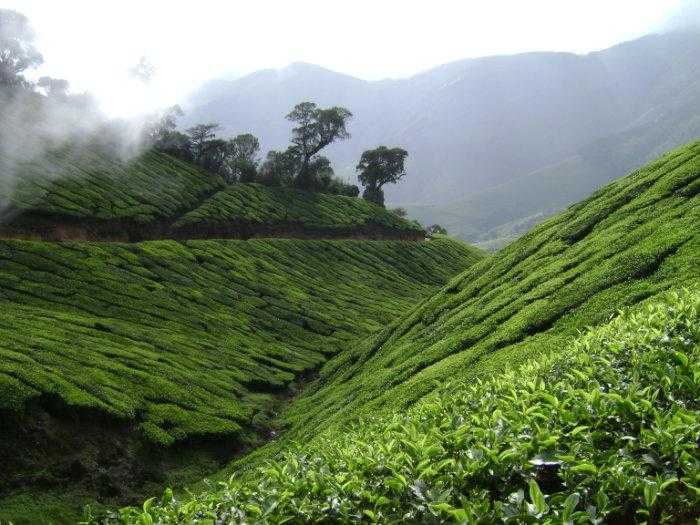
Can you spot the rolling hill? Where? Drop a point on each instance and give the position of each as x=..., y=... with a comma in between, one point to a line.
x=479, y=125
x=486, y=402
x=88, y=193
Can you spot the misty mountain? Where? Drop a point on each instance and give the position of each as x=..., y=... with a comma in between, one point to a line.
x=482, y=125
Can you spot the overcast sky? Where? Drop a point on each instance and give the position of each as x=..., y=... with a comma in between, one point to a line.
x=94, y=43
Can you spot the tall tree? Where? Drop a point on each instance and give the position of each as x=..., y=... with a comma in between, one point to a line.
x=315, y=129
x=199, y=136
x=17, y=51
x=378, y=167
x=243, y=158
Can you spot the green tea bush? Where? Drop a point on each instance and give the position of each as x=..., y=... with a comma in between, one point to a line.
x=604, y=431
x=86, y=183
x=197, y=338
x=257, y=204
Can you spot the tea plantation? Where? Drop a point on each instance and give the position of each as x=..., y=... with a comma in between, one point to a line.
x=86, y=183
x=256, y=204
x=630, y=240
x=195, y=338
x=486, y=403
x=156, y=196
x=603, y=431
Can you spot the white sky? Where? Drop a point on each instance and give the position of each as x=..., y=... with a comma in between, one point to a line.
x=94, y=43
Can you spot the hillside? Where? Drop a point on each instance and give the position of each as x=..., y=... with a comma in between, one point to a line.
x=480, y=123
x=127, y=366
x=86, y=193
x=630, y=240
x=255, y=206
x=485, y=395
x=564, y=439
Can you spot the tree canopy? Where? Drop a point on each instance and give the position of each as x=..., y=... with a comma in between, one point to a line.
x=316, y=128
x=17, y=51
x=378, y=167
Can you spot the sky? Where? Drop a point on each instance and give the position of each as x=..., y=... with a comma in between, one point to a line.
x=95, y=44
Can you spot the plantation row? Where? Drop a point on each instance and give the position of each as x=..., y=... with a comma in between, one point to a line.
x=632, y=239
x=82, y=183
x=602, y=432
x=195, y=338
x=257, y=204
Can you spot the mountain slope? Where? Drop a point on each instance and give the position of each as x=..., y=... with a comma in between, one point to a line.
x=632, y=239
x=486, y=403
x=87, y=193
x=564, y=439
x=123, y=363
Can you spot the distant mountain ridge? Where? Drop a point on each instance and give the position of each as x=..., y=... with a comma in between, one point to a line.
x=480, y=123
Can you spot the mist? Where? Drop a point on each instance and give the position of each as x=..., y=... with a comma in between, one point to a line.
x=35, y=127
x=685, y=17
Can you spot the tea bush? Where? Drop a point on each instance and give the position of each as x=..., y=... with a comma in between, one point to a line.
x=257, y=204
x=603, y=431
x=197, y=338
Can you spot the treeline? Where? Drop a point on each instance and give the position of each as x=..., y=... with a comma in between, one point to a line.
x=301, y=165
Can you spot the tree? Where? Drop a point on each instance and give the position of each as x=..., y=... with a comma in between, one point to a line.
x=214, y=156
x=243, y=158
x=280, y=167
x=401, y=212
x=378, y=167
x=199, y=135
x=17, y=51
x=316, y=128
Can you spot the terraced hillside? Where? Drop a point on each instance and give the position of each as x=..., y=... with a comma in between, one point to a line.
x=88, y=184
x=630, y=240
x=570, y=429
x=112, y=351
x=252, y=206
x=88, y=194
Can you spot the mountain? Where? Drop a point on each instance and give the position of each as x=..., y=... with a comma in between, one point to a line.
x=477, y=124
x=519, y=392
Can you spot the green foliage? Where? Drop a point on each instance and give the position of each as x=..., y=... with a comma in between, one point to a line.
x=378, y=167
x=88, y=183
x=196, y=338
x=256, y=204
x=603, y=431
x=632, y=239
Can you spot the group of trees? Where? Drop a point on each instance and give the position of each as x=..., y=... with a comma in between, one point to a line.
x=237, y=159
x=18, y=54
x=300, y=165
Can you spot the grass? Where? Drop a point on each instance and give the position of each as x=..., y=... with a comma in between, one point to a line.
x=196, y=338
x=256, y=204
x=603, y=431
